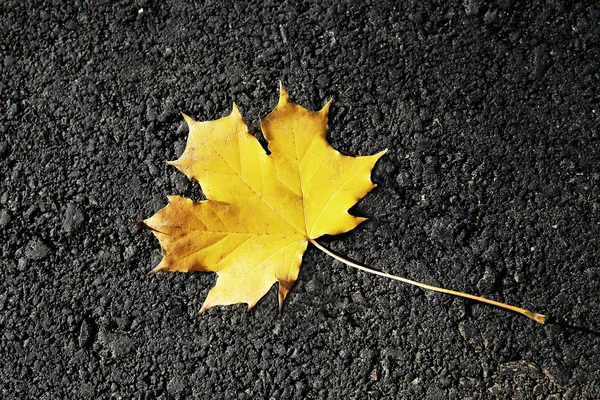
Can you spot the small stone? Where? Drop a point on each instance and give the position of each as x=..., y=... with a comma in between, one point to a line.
x=3, y=149
x=130, y=253
x=403, y=179
x=13, y=110
x=358, y=297
x=85, y=333
x=121, y=345
x=487, y=283
x=425, y=115
x=176, y=386
x=3, y=299
x=468, y=330
x=180, y=181
x=540, y=63
x=87, y=391
x=17, y=172
x=373, y=375
x=4, y=218
x=9, y=61
x=490, y=17
x=73, y=218
x=124, y=323
x=323, y=81
x=277, y=329
x=31, y=211
x=151, y=114
x=471, y=7
x=36, y=250
x=164, y=116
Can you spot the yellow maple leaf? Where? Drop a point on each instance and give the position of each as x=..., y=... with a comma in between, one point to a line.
x=262, y=210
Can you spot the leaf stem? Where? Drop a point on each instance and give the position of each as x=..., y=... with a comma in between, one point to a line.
x=529, y=314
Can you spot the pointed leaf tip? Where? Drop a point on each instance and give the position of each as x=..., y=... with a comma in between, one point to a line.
x=189, y=120
x=284, y=97
x=205, y=306
x=325, y=109
x=235, y=112
x=157, y=269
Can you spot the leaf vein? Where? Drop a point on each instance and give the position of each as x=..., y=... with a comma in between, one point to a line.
x=255, y=192
x=333, y=195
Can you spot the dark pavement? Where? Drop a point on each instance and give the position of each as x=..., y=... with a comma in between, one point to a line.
x=489, y=109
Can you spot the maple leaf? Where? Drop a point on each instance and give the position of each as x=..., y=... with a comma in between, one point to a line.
x=262, y=210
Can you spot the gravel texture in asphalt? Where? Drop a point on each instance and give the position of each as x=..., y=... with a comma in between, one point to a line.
x=489, y=109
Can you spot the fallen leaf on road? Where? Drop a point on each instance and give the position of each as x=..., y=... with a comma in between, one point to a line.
x=262, y=210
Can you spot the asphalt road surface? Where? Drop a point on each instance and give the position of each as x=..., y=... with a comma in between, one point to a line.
x=489, y=109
